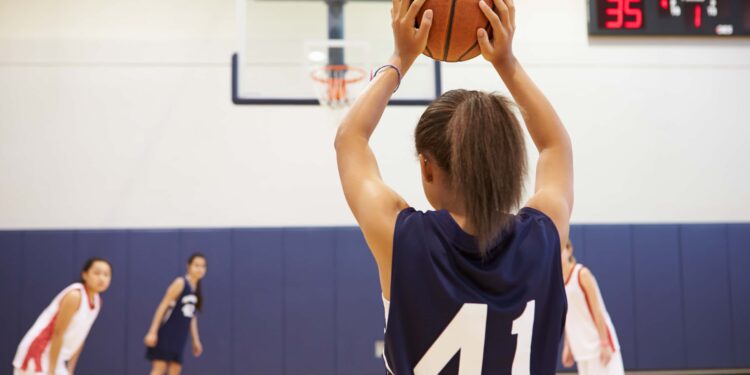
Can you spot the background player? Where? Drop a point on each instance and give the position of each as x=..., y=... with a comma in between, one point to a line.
x=590, y=337
x=175, y=318
x=54, y=343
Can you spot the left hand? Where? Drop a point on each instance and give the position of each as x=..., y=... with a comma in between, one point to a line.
x=197, y=348
x=606, y=355
x=409, y=41
x=499, y=50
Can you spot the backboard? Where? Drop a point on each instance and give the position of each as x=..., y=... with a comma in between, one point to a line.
x=271, y=65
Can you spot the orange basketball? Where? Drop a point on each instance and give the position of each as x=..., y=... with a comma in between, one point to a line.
x=453, y=36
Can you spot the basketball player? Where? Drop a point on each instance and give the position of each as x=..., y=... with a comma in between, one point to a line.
x=53, y=344
x=470, y=277
x=175, y=318
x=590, y=337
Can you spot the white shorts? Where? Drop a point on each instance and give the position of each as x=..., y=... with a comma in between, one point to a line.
x=59, y=371
x=594, y=366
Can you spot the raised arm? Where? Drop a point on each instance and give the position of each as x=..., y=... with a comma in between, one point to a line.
x=553, y=191
x=375, y=205
x=173, y=292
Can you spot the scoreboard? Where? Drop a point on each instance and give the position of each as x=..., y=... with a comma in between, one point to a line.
x=669, y=17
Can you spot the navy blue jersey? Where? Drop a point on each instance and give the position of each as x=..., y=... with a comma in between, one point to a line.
x=175, y=328
x=454, y=312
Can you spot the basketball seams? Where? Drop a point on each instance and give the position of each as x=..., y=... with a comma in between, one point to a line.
x=449, y=31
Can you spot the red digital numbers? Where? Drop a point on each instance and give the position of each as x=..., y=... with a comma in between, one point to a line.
x=623, y=14
x=697, y=21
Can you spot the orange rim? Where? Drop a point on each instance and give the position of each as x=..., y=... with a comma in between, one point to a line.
x=338, y=68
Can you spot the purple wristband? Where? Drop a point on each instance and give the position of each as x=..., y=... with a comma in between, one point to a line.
x=388, y=66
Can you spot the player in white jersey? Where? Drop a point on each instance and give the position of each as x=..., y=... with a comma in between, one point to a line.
x=590, y=337
x=54, y=343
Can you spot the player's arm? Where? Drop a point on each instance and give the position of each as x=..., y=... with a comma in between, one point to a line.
x=197, y=346
x=591, y=289
x=68, y=307
x=375, y=205
x=567, y=355
x=553, y=191
x=173, y=292
x=74, y=360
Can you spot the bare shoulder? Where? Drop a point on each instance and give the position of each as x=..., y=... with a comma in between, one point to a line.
x=72, y=296
x=178, y=282
x=556, y=207
x=587, y=278
x=175, y=288
x=71, y=300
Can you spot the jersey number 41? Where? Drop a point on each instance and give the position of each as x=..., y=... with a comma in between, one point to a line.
x=466, y=333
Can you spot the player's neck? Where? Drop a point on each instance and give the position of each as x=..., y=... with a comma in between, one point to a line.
x=567, y=267
x=457, y=210
x=89, y=292
x=192, y=280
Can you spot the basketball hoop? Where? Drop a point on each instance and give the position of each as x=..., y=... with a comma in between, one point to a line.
x=336, y=69
x=331, y=83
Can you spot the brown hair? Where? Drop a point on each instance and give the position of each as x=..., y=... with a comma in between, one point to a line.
x=476, y=138
x=198, y=289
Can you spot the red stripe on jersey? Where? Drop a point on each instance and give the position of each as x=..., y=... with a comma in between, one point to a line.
x=36, y=349
x=591, y=312
x=91, y=302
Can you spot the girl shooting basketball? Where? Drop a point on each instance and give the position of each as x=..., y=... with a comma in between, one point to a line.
x=175, y=318
x=54, y=343
x=590, y=337
x=469, y=277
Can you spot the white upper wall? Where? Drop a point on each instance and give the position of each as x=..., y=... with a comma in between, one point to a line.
x=118, y=114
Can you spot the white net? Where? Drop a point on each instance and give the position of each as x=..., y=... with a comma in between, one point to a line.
x=338, y=70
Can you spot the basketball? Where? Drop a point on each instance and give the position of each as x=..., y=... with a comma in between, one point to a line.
x=453, y=36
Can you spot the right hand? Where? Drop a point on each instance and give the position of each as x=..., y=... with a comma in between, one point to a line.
x=499, y=50
x=409, y=41
x=150, y=340
x=567, y=358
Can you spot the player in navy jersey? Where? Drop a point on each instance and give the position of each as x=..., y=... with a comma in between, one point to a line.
x=470, y=288
x=175, y=318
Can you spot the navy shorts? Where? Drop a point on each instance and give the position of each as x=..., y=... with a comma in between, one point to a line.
x=154, y=354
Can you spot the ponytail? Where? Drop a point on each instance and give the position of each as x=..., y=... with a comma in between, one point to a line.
x=478, y=140
x=199, y=295
x=198, y=289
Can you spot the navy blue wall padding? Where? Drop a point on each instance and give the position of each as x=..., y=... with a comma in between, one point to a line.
x=739, y=262
x=659, y=318
x=11, y=263
x=106, y=345
x=579, y=245
x=154, y=262
x=610, y=259
x=258, y=278
x=359, y=316
x=708, y=331
x=215, y=320
x=47, y=268
x=307, y=300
